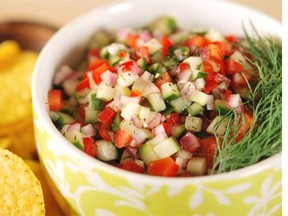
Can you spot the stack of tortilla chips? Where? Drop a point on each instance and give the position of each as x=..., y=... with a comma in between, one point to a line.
x=17, y=135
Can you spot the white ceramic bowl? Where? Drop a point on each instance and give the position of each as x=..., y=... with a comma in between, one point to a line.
x=91, y=187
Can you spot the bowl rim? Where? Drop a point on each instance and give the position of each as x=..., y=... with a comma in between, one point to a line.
x=43, y=116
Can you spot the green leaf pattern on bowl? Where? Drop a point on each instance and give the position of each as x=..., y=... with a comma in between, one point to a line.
x=94, y=191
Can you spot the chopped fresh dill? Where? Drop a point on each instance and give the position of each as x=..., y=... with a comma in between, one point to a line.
x=264, y=138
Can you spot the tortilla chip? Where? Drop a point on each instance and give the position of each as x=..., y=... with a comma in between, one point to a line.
x=9, y=50
x=5, y=142
x=20, y=191
x=52, y=207
x=7, y=129
x=15, y=89
x=23, y=143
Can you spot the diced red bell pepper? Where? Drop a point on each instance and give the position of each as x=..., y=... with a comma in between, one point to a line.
x=97, y=78
x=166, y=44
x=224, y=47
x=89, y=146
x=106, y=116
x=183, y=66
x=122, y=138
x=143, y=51
x=238, y=81
x=245, y=123
x=167, y=127
x=207, y=149
x=93, y=53
x=163, y=167
x=130, y=165
x=197, y=41
x=213, y=51
x=85, y=83
x=103, y=131
x=231, y=38
x=164, y=78
x=209, y=86
x=174, y=119
x=233, y=67
x=96, y=63
x=55, y=100
x=126, y=66
x=135, y=93
x=132, y=40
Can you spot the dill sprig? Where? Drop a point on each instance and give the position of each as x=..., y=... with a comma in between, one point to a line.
x=264, y=138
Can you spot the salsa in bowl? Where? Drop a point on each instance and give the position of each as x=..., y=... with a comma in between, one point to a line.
x=155, y=100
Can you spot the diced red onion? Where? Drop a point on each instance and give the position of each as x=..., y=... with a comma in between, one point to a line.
x=185, y=75
x=132, y=152
x=74, y=126
x=139, y=136
x=123, y=33
x=200, y=83
x=137, y=122
x=150, y=88
x=109, y=78
x=234, y=101
x=88, y=130
x=220, y=78
x=157, y=139
x=62, y=74
x=210, y=103
x=159, y=130
x=187, y=90
x=189, y=142
x=155, y=121
x=126, y=99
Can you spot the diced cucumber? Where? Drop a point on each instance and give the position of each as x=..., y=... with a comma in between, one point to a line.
x=91, y=115
x=181, y=52
x=167, y=147
x=194, y=62
x=218, y=126
x=169, y=109
x=104, y=53
x=142, y=63
x=106, y=150
x=130, y=110
x=199, y=97
x=99, y=39
x=198, y=74
x=144, y=114
x=156, y=68
x=147, y=76
x=238, y=56
x=195, y=109
x=114, y=60
x=147, y=153
x=105, y=92
x=153, y=45
x=60, y=119
x=170, y=61
x=156, y=101
x=156, y=57
x=221, y=107
x=193, y=123
x=127, y=79
x=214, y=35
x=179, y=104
x=170, y=91
x=177, y=130
x=164, y=25
x=94, y=102
x=74, y=135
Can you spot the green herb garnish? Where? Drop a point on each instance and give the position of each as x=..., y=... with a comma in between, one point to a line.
x=264, y=138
